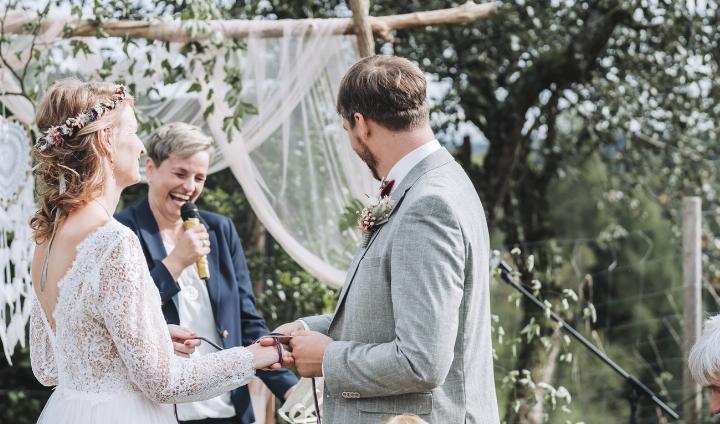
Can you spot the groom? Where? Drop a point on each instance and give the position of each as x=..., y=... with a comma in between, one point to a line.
x=411, y=330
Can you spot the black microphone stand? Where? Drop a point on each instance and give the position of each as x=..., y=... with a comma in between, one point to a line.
x=635, y=386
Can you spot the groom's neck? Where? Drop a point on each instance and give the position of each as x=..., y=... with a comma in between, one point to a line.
x=392, y=146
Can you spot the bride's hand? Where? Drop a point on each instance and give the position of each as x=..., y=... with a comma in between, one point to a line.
x=182, y=340
x=266, y=356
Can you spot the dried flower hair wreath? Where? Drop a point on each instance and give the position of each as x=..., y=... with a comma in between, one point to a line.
x=57, y=135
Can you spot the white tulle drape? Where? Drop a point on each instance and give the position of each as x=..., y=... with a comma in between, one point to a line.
x=292, y=159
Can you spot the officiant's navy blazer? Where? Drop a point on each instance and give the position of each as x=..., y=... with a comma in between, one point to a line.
x=237, y=320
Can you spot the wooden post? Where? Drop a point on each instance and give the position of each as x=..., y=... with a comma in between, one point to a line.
x=363, y=29
x=692, y=302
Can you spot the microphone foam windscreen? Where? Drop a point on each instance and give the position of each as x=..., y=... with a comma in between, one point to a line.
x=189, y=210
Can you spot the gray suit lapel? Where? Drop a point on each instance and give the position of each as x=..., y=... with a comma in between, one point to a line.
x=435, y=160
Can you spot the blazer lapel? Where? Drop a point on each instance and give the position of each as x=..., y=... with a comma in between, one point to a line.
x=149, y=232
x=150, y=236
x=434, y=160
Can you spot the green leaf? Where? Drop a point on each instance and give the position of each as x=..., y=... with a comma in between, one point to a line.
x=195, y=87
x=209, y=110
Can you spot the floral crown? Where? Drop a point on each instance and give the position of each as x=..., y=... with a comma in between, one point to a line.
x=55, y=136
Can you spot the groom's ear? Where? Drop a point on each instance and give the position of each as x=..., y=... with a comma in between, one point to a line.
x=361, y=127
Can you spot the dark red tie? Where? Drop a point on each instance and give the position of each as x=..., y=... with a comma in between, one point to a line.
x=386, y=188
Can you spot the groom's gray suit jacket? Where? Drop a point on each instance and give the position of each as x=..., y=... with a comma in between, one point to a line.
x=412, y=322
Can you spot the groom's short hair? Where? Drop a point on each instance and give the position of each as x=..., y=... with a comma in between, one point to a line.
x=390, y=90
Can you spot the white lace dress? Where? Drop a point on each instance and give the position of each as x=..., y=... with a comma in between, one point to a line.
x=111, y=356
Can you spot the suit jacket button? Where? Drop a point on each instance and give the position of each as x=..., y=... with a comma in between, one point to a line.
x=225, y=334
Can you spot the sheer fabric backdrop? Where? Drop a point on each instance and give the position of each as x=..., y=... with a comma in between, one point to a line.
x=292, y=158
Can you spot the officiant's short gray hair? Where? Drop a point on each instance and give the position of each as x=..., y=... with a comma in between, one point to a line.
x=179, y=139
x=704, y=358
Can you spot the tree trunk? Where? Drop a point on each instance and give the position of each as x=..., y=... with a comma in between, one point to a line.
x=258, y=243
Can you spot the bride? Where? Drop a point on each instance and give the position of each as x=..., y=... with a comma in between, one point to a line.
x=97, y=331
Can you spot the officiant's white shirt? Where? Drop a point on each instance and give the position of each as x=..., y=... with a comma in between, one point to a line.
x=196, y=314
x=400, y=170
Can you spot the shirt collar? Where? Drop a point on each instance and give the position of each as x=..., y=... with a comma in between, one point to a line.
x=400, y=170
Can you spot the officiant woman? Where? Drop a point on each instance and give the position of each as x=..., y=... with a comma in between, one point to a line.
x=221, y=309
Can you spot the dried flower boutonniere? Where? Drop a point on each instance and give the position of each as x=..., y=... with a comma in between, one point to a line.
x=376, y=213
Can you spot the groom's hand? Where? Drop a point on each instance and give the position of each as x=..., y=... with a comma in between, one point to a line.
x=308, y=350
x=290, y=328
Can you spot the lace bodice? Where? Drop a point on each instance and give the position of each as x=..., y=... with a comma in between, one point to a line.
x=111, y=336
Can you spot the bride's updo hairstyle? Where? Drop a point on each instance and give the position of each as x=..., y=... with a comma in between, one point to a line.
x=69, y=156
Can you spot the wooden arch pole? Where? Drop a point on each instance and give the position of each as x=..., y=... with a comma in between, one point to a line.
x=363, y=29
x=174, y=31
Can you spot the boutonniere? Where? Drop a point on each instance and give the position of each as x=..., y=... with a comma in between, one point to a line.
x=376, y=213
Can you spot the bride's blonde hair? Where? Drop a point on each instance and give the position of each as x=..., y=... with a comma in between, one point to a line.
x=78, y=160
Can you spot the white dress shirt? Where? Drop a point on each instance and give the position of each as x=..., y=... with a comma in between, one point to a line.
x=196, y=314
x=400, y=170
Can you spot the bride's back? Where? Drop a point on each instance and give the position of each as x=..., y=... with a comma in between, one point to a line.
x=76, y=228
x=85, y=356
x=71, y=171
x=78, y=157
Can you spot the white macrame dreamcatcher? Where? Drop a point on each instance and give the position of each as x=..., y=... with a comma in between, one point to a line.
x=16, y=245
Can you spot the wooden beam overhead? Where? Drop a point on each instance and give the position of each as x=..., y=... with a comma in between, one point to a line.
x=173, y=31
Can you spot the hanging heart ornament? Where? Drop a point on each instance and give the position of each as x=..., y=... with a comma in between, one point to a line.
x=14, y=159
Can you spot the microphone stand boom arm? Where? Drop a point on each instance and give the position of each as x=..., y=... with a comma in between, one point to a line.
x=636, y=386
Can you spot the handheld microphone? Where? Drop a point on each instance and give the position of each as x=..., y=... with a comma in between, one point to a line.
x=191, y=217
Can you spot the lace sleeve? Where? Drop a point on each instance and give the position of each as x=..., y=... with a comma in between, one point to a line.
x=42, y=353
x=130, y=304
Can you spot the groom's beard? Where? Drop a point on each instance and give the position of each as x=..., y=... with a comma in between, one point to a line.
x=368, y=157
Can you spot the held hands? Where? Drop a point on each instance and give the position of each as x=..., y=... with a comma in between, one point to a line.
x=289, y=328
x=307, y=347
x=266, y=355
x=192, y=244
x=264, y=351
